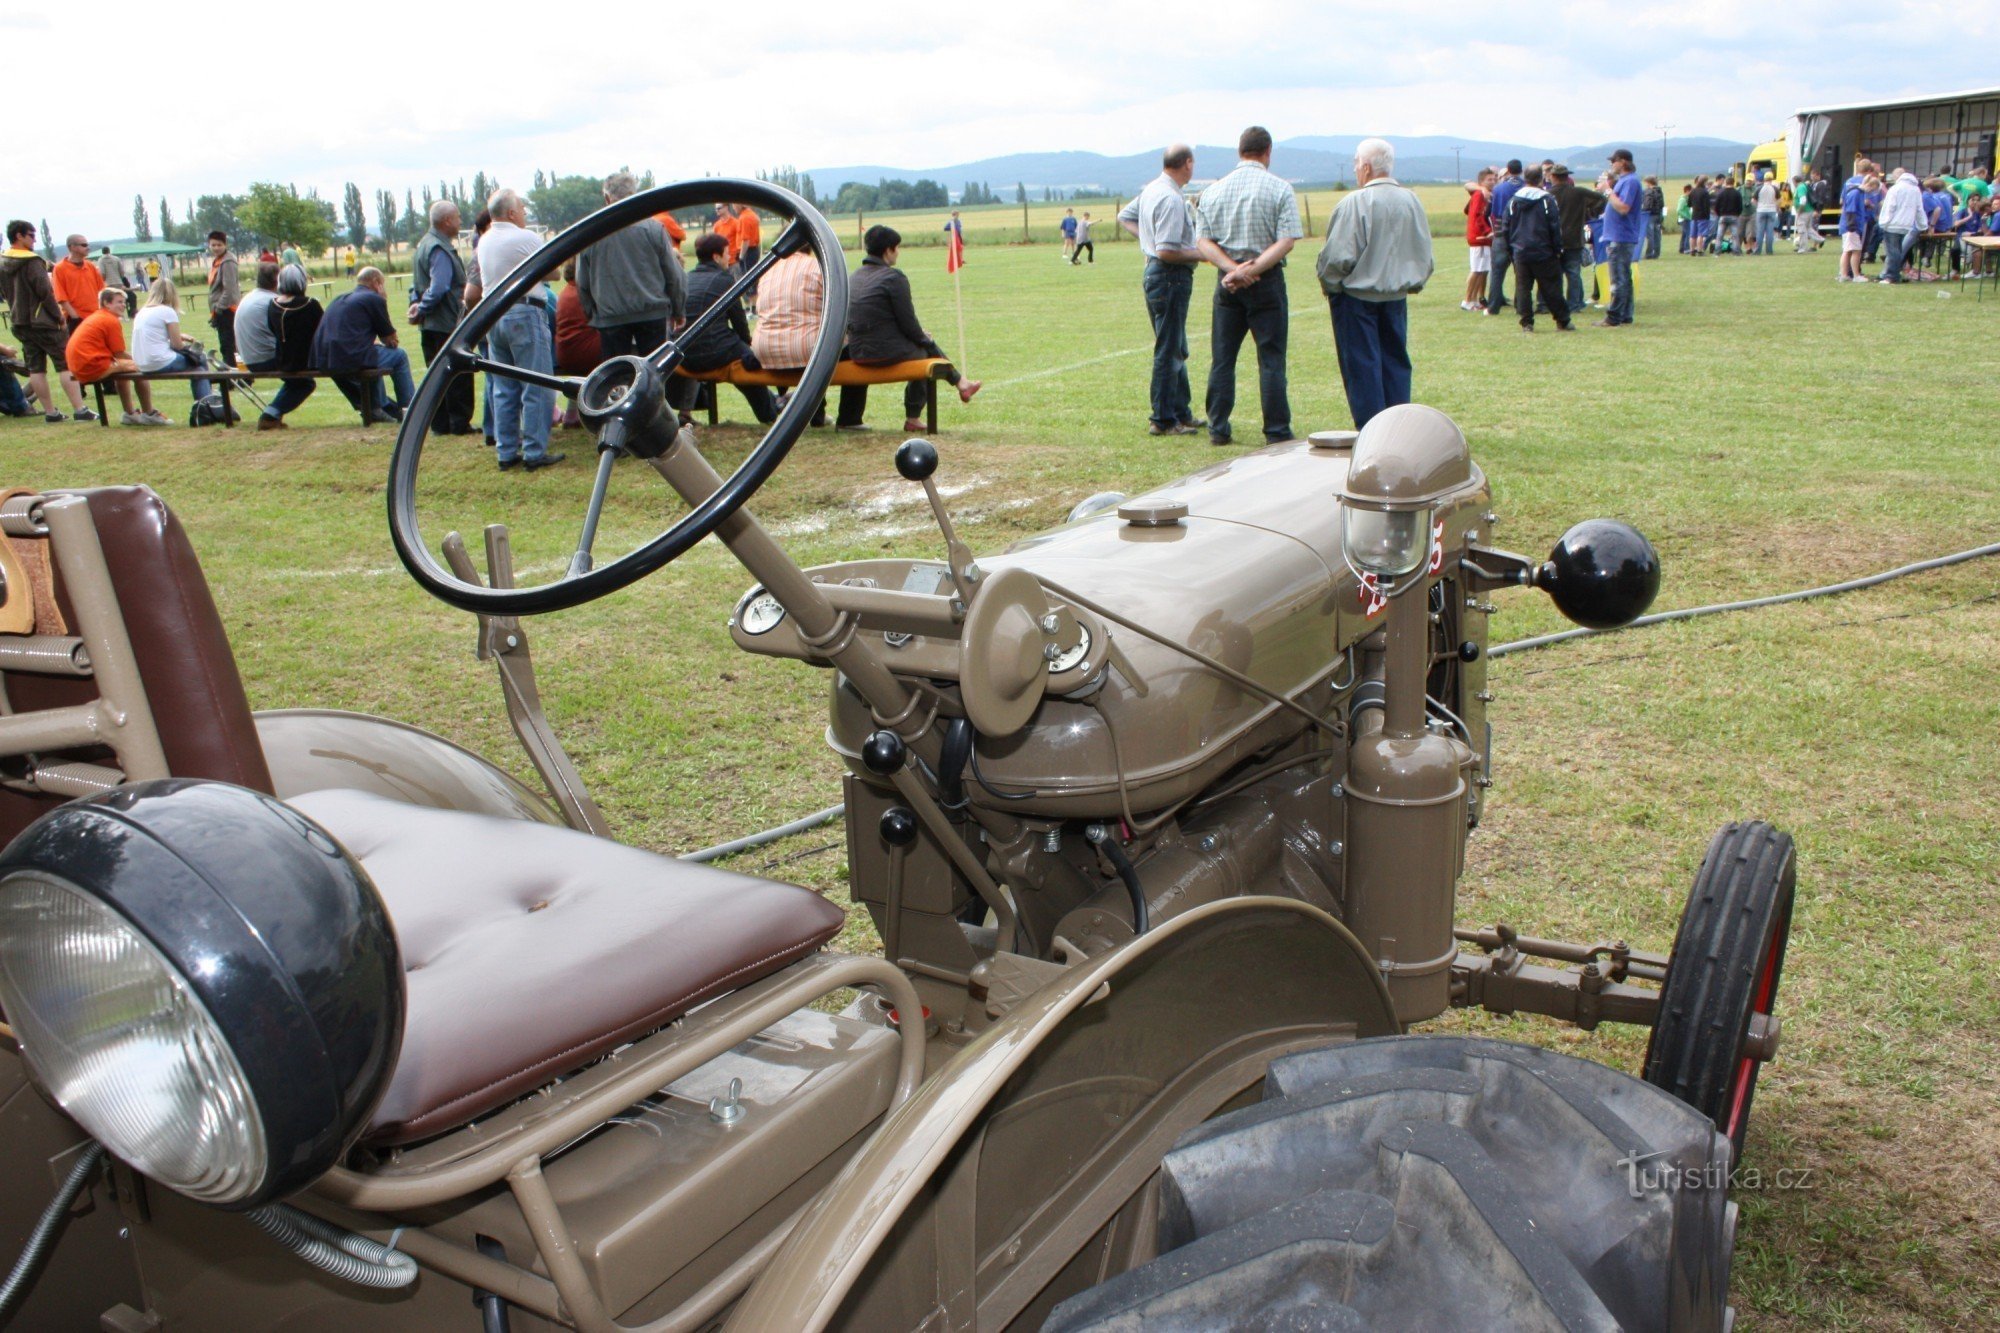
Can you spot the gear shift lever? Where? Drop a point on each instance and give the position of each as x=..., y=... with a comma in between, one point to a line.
x=916, y=460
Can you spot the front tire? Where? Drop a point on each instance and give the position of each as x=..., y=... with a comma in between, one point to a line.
x=1440, y=1183
x=1723, y=977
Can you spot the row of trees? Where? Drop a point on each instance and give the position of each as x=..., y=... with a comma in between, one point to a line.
x=276, y=215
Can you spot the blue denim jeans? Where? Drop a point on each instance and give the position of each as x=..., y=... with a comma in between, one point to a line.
x=13, y=402
x=1261, y=311
x=1496, y=278
x=1371, y=340
x=1767, y=232
x=1573, y=278
x=1169, y=290
x=1654, y=223
x=523, y=410
x=397, y=362
x=189, y=359
x=1898, y=250
x=1619, y=255
x=290, y=394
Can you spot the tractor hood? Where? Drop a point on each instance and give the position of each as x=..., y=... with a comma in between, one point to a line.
x=1250, y=573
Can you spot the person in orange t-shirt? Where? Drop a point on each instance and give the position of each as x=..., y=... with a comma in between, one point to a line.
x=77, y=283
x=748, y=234
x=676, y=233
x=97, y=348
x=725, y=227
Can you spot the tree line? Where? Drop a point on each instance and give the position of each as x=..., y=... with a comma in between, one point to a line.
x=274, y=215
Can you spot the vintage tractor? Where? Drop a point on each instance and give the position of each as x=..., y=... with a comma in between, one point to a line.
x=1160, y=815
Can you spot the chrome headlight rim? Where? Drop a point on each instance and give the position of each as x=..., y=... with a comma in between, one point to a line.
x=272, y=929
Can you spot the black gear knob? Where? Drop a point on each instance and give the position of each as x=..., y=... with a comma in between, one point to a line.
x=1601, y=574
x=899, y=826
x=883, y=752
x=916, y=459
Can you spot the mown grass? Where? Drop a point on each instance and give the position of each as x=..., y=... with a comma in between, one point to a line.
x=1769, y=430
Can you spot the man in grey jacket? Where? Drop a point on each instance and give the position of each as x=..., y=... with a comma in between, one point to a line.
x=1377, y=252
x=631, y=282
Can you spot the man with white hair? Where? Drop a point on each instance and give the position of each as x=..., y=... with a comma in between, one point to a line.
x=437, y=303
x=1377, y=252
x=521, y=338
x=631, y=283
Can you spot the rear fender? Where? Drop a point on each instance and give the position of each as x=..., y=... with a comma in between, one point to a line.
x=314, y=749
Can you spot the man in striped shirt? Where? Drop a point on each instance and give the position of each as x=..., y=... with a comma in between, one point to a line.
x=1249, y=223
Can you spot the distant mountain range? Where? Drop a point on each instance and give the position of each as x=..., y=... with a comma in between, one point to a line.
x=1310, y=159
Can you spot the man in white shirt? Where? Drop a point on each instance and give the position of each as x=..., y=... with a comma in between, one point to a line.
x=521, y=338
x=1160, y=217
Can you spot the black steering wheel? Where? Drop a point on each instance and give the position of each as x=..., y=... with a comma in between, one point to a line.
x=622, y=402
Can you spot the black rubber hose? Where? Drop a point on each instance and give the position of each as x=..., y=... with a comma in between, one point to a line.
x=492, y=1306
x=48, y=1230
x=952, y=757
x=1777, y=599
x=1141, y=919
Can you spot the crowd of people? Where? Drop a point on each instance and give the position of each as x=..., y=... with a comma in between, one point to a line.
x=1564, y=247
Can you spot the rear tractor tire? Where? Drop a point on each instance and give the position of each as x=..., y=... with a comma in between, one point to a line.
x=1717, y=1023
x=1441, y=1183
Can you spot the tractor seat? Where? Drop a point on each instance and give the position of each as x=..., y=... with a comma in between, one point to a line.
x=530, y=950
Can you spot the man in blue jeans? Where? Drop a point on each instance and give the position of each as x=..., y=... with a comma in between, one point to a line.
x=1159, y=216
x=1624, y=224
x=1377, y=253
x=356, y=333
x=521, y=338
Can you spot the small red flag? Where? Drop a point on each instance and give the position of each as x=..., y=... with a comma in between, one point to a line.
x=954, y=254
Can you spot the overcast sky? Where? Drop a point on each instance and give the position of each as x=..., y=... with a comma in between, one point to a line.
x=585, y=86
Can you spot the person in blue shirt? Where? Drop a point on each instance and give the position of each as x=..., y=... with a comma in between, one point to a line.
x=1069, y=234
x=1503, y=259
x=1623, y=227
x=1855, y=219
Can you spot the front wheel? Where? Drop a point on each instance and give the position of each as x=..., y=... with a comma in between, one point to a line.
x=1717, y=1024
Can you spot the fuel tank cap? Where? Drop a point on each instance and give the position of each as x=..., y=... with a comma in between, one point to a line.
x=1153, y=513
x=1334, y=440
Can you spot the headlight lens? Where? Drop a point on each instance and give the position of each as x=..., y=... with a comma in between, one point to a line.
x=1385, y=542
x=118, y=1038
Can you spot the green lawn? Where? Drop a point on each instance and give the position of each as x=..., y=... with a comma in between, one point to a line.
x=1768, y=428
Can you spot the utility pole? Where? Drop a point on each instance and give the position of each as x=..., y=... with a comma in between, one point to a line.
x=1457, y=171
x=1663, y=148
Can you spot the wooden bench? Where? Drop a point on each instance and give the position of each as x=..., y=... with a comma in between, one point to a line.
x=225, y=380
x=926, y=370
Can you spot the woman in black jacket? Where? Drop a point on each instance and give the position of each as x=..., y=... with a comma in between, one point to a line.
x=882, y=329
x=294, y=319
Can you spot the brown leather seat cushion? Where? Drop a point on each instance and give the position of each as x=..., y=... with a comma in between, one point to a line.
x=531, y=950
x=182, y=649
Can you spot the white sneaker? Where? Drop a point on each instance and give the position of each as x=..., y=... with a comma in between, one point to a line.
x=142, y=419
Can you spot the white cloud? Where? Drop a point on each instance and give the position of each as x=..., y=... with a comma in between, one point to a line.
x=589, y=85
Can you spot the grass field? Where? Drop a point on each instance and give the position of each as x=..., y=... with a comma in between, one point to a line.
x=1769, y=430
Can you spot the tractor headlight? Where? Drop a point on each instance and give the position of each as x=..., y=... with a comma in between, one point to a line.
x=1385, y=542
x=123, y=1044
x=202, y=979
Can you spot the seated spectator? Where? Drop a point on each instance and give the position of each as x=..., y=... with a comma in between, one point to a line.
x=157, y=343
x=293, y=318
x=727, y=339
x=13, y=403
x=97, y=349
x=357, y=334
x=630, y=283
x=882, y=329
x=579, y=348
x=791, y=306
x=256, y=342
